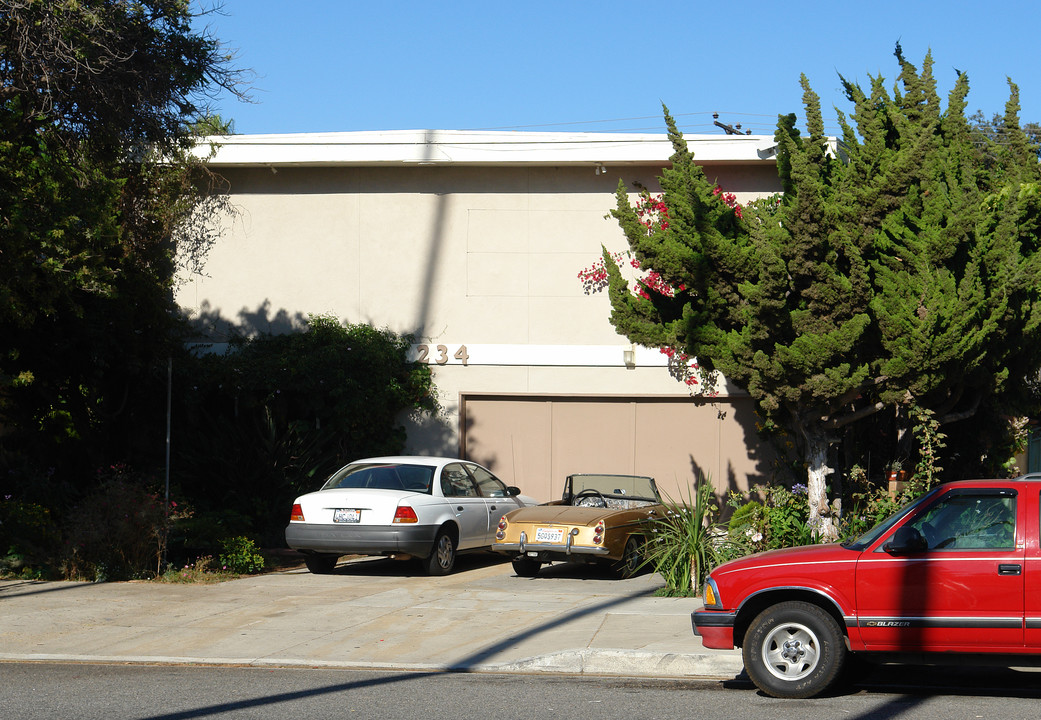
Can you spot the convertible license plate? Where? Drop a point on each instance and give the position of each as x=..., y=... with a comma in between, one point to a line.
x=346, y=516
x=550, y=535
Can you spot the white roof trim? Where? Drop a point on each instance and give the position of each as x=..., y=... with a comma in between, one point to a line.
x=465, y=147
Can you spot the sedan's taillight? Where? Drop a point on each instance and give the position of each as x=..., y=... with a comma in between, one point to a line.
x=297, y=514
x=405, y=514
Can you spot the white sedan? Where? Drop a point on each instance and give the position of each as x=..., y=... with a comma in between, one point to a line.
x=425, y=507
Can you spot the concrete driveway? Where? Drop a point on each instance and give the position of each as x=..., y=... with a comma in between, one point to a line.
x=371, y=613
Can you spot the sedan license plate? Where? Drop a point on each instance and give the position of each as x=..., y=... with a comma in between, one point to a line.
x=346, y=516
x=550, y=535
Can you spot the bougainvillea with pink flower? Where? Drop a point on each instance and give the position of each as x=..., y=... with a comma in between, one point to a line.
x=729, y=199
x=653, y=214
x=652, y=211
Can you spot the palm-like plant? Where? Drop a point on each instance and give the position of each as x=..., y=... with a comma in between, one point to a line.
x=688, y=543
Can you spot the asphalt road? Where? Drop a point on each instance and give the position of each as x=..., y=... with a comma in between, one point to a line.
x=29, y=691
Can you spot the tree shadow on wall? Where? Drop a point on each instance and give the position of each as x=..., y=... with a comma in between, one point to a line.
x=770, y=463
x=209, y=325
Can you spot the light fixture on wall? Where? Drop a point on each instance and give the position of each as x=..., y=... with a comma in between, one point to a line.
x=600, y=169
x=629, y=358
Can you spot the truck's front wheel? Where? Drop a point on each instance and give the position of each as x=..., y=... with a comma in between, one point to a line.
x=794, y=650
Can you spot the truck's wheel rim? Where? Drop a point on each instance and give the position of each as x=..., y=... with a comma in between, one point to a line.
x=791, y=651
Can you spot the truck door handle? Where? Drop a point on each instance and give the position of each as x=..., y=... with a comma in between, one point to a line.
x=1010, y=569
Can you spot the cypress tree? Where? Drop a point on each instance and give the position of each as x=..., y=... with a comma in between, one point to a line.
x=898, y=266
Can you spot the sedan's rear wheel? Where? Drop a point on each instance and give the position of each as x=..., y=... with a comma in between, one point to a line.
x=526, y=567
x=321, y=564
x=794, y=650
x=442, y=558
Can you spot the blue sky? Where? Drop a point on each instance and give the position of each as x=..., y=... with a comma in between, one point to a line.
x=604, y=65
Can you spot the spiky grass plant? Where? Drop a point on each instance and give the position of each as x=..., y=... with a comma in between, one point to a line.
x=687, y=543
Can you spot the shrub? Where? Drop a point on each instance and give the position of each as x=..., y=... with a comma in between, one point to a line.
x=277, y=414
x=199, y=571
x=776, y=522
x=239, y=555
x=747, y=516
x=28, y=538
x=118, y=532
x=201, y=532
x=786, y=517
x=872, y=503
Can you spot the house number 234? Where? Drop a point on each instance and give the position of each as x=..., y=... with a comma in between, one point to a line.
x=440, y=354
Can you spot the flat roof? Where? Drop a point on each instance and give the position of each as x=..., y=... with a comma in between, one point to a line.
x=472, y=147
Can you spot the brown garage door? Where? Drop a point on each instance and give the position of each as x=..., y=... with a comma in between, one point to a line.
x=536, y=441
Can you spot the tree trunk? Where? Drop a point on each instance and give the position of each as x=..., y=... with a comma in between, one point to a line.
x=821, y=518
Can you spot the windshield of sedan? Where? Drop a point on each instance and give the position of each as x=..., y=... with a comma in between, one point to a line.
x=382, y=476
x=632, y=487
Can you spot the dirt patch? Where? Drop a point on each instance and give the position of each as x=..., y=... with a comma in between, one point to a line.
x=279, y=559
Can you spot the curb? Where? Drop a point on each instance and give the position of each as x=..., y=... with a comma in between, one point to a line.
x=620, y=663
x=627, y=663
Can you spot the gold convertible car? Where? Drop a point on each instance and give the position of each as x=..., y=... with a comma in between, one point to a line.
x=599, y=519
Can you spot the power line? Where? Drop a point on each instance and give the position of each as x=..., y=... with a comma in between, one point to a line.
x=585, y=122
x=754, y=123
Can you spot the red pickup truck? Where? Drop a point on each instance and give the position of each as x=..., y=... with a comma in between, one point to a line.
x=957, y=571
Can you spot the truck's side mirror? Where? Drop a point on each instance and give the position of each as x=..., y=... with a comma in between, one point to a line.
x=906, y=540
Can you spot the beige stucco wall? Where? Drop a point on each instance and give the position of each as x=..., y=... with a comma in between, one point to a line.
x=481, y=256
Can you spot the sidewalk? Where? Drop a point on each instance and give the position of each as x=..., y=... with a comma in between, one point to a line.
x=370, y=614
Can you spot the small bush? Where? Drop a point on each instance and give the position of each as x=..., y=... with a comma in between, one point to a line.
x=747, y=516
x=202, y=570
x=201, y=532
x=239, y=555
x=778, y=521
x=871, y=502
x=28, y=539
x=787, y=513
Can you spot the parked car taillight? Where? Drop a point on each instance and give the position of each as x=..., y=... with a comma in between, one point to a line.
x=297, y=513
x=405, y=514
x=598, y=533
x=502, y=528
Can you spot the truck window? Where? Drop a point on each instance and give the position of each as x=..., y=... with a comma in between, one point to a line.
x=970, y=521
